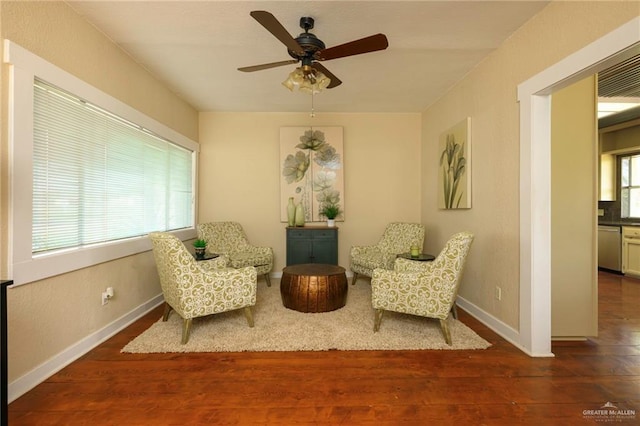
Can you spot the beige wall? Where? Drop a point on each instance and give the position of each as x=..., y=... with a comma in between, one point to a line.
x=47, y=317
x=622, y=140
x=488, y=96
x=240, y=173
x=574, y=149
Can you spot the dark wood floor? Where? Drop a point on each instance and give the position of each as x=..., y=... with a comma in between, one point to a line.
x=500, y=385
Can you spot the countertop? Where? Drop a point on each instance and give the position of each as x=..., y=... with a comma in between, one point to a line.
x=618, y=223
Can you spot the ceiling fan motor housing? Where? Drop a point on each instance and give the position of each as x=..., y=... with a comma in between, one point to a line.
x=308, y=41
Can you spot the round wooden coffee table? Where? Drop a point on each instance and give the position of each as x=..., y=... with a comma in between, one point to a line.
x=314, y=287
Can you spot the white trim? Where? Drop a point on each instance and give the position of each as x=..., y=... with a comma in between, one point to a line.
x=535, y=177
x=23, y=384
x=505, y=331
x=23, y=267
x=24, y=60
x=25, y=272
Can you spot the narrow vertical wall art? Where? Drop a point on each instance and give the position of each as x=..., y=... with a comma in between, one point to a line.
x=454, y=173
x=311, y=169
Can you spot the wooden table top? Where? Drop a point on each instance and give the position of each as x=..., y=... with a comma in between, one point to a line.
x=313, y=269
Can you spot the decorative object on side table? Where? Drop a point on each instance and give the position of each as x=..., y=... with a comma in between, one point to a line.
x=415, y=251
x=330, y=211
x=200, y=248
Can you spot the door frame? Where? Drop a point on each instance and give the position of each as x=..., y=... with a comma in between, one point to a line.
x=534, y=96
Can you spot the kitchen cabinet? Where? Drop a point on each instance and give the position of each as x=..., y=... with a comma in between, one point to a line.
x=631, y=250
x=312, y=244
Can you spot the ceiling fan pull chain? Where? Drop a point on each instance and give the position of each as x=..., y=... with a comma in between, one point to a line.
x=313, y=113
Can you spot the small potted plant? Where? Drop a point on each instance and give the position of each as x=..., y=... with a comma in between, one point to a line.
x=200, y=247
x=330, y=211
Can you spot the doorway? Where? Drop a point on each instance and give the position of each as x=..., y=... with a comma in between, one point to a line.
x=535, y=177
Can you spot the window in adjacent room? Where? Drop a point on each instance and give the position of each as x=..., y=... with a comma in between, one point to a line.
x=630, y=186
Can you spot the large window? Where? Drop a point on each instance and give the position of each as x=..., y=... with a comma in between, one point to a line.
x=630, y=186
x=89, y=175
x=99, y=178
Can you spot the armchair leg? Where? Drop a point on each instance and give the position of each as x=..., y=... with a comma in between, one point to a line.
x=454, y=311
x=267, y=279
x=167, y=311
x=445, y=331
x=378, y=320
x=355, y=277
x=248, y=315
x=186, y=330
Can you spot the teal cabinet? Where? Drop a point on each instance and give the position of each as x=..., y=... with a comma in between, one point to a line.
x=312, y=244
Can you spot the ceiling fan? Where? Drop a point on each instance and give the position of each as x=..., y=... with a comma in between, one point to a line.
x=309, y=49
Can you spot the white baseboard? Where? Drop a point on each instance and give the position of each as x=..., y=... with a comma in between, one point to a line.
x=505, y=331
x=45, y=370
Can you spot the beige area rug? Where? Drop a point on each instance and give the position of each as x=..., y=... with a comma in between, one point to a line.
x=280, y=329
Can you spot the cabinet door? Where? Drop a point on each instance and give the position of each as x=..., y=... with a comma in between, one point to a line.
x=299, y=251
x=632, y=257
x=631, y=251
x=324, y=251
x=325, y=246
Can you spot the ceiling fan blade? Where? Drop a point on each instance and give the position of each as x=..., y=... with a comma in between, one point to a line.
x=335, y=81
x=267, y=66
x=274, y=26
x=356, y=47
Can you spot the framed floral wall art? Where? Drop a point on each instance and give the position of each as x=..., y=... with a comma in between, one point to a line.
x=454, y=173
x=311, y=170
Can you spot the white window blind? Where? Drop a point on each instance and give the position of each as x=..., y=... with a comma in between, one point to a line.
x=100, y=178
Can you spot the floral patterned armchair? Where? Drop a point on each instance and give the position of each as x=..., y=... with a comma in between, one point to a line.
x=397, y=238
x=229, y=239
x=427, y=289
x=199, y=288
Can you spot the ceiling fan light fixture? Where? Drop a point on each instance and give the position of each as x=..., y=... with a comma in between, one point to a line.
x=295, y=79
x=322, y=80
x=307, y=80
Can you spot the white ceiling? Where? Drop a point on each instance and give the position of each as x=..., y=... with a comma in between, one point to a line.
x=195, y=48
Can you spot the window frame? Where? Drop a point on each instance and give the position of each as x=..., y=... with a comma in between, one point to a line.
x=621, y=158
x=23, y=266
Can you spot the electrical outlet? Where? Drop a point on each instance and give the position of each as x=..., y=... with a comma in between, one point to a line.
x=498, y=293
x=106, y=295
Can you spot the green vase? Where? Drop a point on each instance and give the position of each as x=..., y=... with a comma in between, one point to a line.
x=291, y=212
x=299, y=215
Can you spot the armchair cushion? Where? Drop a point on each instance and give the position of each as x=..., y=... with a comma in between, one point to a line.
x=397, y=238
x=229, y=239
x=198, y=288
x=427, y=289
x=366, y=259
